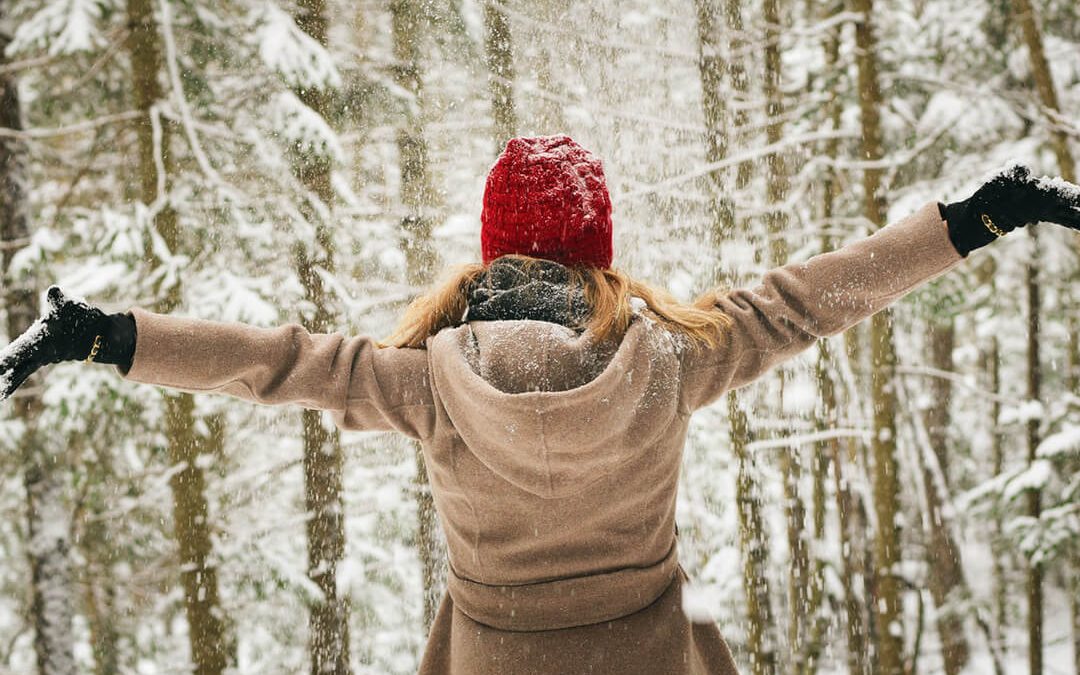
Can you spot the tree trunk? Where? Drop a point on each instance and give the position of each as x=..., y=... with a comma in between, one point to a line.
x=1034, y=508
x=48, y=518
x=1044, y=84
x=776, y=181
x=740, y=83
x=328, y=642
x=499, y=52
x=829, y=413
x=946, y=578
x=887, y=605
x=991, y=367
x=997, y=453
x=417, y=198
x=711, y=68
x=191, y=523
x=99, y=584
x=208, y=634
x=548, y=110
x=760, y=642
x=827, y=416
x=1074, y=608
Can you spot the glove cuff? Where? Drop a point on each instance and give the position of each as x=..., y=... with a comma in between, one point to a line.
x=966, y=228
x=118, y=336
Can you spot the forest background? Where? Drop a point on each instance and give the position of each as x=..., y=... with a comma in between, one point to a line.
x=899, y=499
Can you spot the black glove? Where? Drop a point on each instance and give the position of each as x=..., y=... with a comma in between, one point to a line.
x=1009, y=200
x=67, y=331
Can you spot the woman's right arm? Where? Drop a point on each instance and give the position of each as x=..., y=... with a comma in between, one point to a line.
x=365, y=387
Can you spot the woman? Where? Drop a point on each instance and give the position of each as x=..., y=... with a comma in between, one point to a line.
x=552, y=395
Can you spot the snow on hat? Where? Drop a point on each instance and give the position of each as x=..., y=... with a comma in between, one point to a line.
x=546, y=198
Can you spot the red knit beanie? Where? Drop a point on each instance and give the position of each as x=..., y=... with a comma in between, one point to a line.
x=546, y=198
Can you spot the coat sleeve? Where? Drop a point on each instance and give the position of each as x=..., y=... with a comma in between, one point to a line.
x=797, y=303
x=363, y=386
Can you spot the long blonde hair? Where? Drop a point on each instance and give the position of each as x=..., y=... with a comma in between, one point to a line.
x=607, y=292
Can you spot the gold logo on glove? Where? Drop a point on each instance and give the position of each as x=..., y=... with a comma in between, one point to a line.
x=94, y=349
x=991, y=226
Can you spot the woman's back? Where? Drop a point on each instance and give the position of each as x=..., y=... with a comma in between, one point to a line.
x=543, y=476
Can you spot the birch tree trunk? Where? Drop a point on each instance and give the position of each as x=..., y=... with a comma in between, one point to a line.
x=740, y=83
x=417, y=199
x=48, y=517
x=499, y=53
x=548, y=110
x=712, y=69
x=886, y=488
x=208, y=629
x=328, y=642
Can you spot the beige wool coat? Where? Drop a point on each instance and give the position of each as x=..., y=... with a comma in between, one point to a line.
x=554, y=461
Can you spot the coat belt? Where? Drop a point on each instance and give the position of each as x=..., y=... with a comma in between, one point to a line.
x=563, y=603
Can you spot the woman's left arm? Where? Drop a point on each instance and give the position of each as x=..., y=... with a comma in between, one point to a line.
x=798, y=303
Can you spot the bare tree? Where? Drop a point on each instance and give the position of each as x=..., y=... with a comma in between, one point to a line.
x=776, y=188
x=1044, y=85
x=828, y=415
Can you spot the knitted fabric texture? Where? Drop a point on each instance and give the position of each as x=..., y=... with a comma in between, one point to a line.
x=546, y=198
x=511, y=289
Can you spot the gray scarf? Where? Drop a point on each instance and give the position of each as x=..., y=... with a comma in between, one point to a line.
x=511, y=289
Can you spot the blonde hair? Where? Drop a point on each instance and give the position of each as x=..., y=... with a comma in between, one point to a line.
x=607, y=292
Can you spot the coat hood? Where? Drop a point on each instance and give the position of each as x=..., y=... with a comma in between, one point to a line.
x=550, y=409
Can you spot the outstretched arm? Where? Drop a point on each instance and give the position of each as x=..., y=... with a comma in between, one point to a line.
x=798, y=303
x=365, y=387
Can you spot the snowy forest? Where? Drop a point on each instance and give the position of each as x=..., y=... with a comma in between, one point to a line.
x=903, y=498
